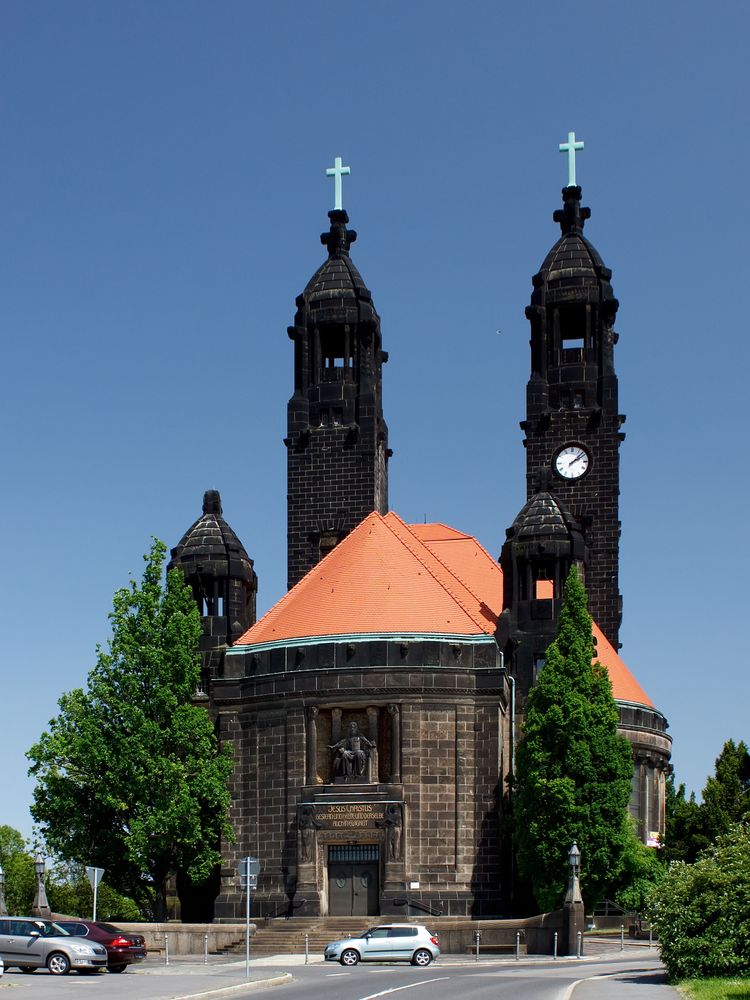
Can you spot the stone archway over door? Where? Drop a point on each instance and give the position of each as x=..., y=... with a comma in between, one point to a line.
x=354, y=880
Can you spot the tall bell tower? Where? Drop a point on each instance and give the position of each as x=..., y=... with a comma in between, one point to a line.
x=573, y=425
x=337, y=439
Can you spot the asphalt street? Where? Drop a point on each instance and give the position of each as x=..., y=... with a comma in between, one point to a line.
x=633, y=975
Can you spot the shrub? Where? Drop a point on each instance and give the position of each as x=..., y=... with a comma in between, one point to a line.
x=701, y=912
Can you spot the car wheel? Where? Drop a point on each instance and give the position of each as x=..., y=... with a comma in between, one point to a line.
x=58, y=964
x=117, y=968
x=349, y=957
x=421, y=957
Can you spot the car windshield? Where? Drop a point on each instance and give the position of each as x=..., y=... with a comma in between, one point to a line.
x=47, y=928
x=109, y=928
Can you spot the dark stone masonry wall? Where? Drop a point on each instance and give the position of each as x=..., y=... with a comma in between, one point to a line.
x=449, y=720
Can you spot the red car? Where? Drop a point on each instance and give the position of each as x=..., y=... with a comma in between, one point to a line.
x=122, y=948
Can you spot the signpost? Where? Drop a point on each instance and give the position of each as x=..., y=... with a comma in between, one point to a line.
x=95, y=877
x=249, y=869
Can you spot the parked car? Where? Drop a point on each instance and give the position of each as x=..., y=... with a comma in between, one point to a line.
x=30, y=943
x=122, y=947
x=388, y=943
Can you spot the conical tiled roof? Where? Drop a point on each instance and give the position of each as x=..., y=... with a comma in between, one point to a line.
x=336, y=293
x=573, y=269
x=543, y=517
x=211, y=544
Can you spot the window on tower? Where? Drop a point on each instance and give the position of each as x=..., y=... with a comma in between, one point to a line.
x=335, y=352
x=572, y=321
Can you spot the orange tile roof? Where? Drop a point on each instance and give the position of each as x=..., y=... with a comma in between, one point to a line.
x=624, y=686
x=390, y=578
x=380, y=579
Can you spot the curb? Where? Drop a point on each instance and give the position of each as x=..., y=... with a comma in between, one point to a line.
x=251, y=984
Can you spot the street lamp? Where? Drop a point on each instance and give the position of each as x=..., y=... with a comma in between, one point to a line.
x=3, y=906
x=574, y=859
x=41, y=904
x=573, y=895
x=573, y=906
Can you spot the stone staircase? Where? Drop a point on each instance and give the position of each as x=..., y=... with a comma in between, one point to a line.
x=287, y=937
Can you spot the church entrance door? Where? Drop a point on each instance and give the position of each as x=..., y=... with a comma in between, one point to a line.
x=353, y=880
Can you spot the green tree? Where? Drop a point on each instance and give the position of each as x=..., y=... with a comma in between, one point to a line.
x=69, y=892
x=701, y=912
x=18, y=866
x=574, y=771
x=129, y=774
x=643, y=869
x=682, y=839
x=726, y=795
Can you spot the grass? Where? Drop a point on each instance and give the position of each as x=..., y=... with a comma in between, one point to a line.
x=715, y=989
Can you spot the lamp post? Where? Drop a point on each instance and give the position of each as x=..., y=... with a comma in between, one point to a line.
x=574, y=860
x=573, y=905
x=40, y=907
x=3, y=906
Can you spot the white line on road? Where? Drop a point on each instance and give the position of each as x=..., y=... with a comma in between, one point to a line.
x=569, y=992
x=395, y=989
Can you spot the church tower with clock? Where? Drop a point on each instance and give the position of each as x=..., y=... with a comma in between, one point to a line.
x=573, y=425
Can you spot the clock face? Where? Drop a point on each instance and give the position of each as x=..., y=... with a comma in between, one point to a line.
x=572, y=461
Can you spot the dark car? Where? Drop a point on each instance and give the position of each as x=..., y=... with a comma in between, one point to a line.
x=122, y=947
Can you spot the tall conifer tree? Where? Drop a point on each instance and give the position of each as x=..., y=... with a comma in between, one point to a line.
x=574, y=771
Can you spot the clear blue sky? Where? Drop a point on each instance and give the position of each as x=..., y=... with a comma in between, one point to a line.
x=162, y=187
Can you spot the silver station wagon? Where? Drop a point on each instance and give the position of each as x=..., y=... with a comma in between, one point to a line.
x=30, y=943
x=388, y=943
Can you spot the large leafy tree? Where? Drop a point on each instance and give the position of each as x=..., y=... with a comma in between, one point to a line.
x=574, y=771
x=726, y=795
x=682, y=839
x=129, y=774
x=18, y=865
x=693, y=827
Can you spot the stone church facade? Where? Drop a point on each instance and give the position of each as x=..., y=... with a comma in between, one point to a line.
x=374, y=710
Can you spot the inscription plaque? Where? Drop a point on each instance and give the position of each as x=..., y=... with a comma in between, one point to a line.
x=350, y=815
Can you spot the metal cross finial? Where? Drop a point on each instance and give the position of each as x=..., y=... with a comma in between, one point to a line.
x=571, y=147
x=337, y=172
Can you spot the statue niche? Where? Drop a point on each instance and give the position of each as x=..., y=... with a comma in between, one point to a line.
x=351, y=756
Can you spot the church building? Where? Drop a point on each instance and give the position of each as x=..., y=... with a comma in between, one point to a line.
x=374, y=710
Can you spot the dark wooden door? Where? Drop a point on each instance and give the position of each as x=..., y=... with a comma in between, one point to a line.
x=353, y=889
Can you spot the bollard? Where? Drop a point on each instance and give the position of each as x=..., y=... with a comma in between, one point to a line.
x=651, y=937
x=622, y=937
x=579, y=944
x=476, y=935
x=554, y=953
x=205, y=949
x=518, y=945
x=307, y=947
x=166, y=949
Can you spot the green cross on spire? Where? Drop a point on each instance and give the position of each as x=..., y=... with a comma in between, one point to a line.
x=337, y=172
x=571, y=147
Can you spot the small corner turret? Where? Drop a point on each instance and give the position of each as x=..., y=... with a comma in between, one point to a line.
x=220, y=573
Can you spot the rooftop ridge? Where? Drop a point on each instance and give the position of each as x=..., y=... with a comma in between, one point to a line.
x=460, y=601
x=279, y=607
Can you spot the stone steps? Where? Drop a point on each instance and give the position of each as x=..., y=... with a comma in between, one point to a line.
x=288, y=936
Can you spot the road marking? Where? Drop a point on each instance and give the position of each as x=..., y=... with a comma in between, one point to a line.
x=395, y=989
x=569, y=992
